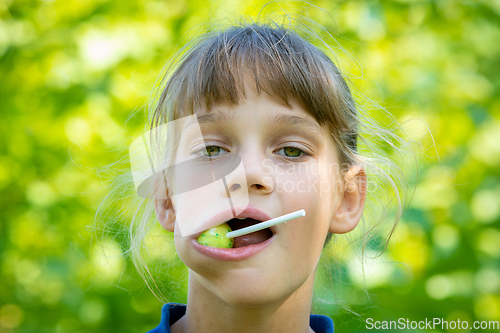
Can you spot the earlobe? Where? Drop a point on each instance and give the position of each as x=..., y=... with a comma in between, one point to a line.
x=352, y=202
x=165, y=213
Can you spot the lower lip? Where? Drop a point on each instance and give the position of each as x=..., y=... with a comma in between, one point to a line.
x=238, y=253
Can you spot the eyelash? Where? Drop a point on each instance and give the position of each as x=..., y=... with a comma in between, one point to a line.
x=205, y=149
x=301, y=156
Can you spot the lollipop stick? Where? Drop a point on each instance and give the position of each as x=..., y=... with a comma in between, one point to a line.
x=266, y=224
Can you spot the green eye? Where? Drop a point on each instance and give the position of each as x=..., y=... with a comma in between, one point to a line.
x=212, y=151
x=292, y=152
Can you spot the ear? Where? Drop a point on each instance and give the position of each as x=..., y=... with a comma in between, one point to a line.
x=165, y=213
x=351, y=207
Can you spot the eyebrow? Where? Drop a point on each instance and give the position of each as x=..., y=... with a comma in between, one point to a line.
x=211, y=118
x=279, y=119
x=296, y=122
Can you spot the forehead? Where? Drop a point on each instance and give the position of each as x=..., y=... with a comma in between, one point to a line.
x=260, y=106
x=281, y=119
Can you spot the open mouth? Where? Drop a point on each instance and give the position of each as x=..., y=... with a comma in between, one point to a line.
x=248, y=239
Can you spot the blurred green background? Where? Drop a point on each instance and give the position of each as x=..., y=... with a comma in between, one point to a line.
x=73, y=74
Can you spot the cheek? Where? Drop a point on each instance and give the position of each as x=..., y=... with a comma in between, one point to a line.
x=189, y=256
x=314, y=192
x=304, y=188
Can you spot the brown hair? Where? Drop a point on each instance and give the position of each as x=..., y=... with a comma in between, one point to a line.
x=283, y=64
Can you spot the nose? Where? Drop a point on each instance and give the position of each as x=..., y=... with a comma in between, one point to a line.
x=258, y=178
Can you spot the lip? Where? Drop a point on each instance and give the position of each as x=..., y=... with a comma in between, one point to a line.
x=249, y=212
x=239, y=253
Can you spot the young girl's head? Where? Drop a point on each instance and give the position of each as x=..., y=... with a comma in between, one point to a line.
x=265, y=93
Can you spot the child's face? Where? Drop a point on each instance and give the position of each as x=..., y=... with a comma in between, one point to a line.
x=287, y=168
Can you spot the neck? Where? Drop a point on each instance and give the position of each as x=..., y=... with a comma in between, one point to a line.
x=209, y=314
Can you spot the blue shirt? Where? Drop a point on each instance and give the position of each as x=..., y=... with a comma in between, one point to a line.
x=171, y=312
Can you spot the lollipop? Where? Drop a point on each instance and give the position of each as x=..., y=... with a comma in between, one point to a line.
x=216, y=237
x=221, y=236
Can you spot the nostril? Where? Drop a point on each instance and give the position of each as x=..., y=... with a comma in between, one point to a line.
x=234, y=187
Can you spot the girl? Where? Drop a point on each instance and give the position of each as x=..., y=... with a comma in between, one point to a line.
x=265, y=94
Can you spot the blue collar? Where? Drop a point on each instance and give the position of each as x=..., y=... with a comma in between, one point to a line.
x=171, y=312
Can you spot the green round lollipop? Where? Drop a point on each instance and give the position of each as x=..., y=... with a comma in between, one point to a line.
x=216, y=237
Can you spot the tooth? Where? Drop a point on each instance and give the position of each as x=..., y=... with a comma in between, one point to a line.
x=241, y=218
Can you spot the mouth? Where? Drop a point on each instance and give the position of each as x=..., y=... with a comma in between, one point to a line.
x=256, y=237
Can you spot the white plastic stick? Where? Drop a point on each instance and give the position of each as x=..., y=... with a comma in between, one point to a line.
x=266, y=224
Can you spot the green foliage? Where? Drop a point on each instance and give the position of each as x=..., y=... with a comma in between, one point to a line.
x=75, y=76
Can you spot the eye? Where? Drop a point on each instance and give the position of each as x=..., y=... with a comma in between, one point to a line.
x=292, y=152
x=212, y=151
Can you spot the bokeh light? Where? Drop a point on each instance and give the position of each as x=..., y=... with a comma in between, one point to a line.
x=75, y=80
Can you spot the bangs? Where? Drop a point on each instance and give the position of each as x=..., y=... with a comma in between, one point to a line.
x=281, y=64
